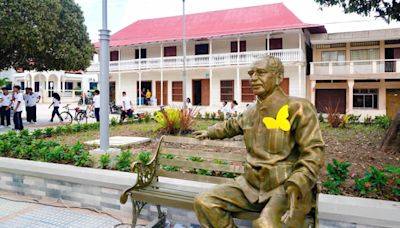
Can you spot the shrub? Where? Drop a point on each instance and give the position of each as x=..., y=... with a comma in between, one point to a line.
x=382, y=121
x=58, y=130
x=114, y=121
x=368, y=120
x=24, y=132
x=207, y=115
x=354, y=119
x=83, y=159
x=76, y=128
x=140, y=119
x=213, y=115
x=175, y=121
x=199, y=116
x=68, y=129
x=38, y=133
x=48, y=131
x=144, y=157
x=147, y=118
x=105, y=161
x=221, y=116
x=334, y=118
x=124, y=160
x=379, y=181
x=321, y=117
x=336, y=175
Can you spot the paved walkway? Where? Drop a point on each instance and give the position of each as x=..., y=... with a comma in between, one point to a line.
x=21, y=214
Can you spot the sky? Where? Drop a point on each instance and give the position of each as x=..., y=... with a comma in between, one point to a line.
x=121, y=13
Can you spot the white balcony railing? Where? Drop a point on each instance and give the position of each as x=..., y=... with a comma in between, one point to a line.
x=286, y=55
x=356, y=67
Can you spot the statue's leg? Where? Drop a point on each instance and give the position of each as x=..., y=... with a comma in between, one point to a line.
x=271, y=214
x=214, y=208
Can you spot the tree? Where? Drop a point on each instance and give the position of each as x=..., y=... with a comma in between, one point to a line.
x=387, y=9
x=43, y=35
x=4, y=82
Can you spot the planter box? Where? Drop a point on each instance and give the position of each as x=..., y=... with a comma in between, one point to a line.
x=100, y=189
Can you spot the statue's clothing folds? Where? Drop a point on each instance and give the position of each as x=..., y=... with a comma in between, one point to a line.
x=275, y=158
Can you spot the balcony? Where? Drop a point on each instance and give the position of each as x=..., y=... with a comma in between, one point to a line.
x=361, y=69
x=226, y=59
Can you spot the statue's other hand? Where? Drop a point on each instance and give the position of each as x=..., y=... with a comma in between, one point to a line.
x=200, y=135
x=293, y=193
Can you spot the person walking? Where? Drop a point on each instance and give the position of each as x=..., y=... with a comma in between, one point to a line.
x=56, y=105
x=96, y=105
x=18, y=106
x=148, y=96
x=5, y=111
x=31, y=99
x=126, y=106
x=234, y=108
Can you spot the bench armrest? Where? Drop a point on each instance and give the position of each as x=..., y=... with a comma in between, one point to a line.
x=145, y=174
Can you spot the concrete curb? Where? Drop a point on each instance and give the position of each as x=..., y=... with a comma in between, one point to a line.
x=340, y=209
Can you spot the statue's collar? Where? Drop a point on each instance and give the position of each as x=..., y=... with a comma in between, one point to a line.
x=277, y=97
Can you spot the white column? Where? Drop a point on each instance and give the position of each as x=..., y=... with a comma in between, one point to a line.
x=382, y=96
x=162, y=74
x=59, y=84
x=237, y=51
x=350, y=85
x=312, y=96
x=119, y=74
x=238, y=91
x=140, y=87
x=268, y=36
x=300, y=46
x=210, y=53
x=300, y=81
x=63, y=85
x=32, y=85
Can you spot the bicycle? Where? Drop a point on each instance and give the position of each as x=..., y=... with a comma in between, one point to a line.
x=80, y=114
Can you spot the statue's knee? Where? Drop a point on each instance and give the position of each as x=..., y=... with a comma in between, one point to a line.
x=200, y=201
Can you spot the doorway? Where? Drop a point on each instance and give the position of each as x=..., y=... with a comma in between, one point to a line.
x=391, y=53
x=165, y=92
x=145, y=85
x=201, y=92
x=392, y=102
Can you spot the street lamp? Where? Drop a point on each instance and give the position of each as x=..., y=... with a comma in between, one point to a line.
x=184, y=54
x=104, y=81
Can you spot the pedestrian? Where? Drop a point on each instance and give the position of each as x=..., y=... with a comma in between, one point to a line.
x=226, y=110
x=126, y=106
x=148, y=96
x=234, y=108
x=96, y=105
x=18, y=106
x=189, y=105
x=31, y=99
x=5, y=111
x=56, y=105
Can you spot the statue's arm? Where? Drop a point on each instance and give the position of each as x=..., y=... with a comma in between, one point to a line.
x=311, y=148
x=227, y=129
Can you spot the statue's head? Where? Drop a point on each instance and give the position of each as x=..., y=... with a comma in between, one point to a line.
x=266, y=75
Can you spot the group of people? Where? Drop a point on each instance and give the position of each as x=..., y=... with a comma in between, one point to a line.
x=229, y=110
x=17, y=101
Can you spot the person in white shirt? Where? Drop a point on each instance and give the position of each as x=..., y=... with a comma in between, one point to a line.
x=226, y=110
x=31, y=99
x=234, y=107
x=96, y=105
x=189, y=105
x=18, y=106
x=5, y=112
x=56, y=105
x=126, y=106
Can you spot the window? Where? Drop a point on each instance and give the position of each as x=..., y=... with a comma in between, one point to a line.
x=365, y=98
x=143, y=53
x=177, y=91
x=201, y=49
x=69, y=85
x=169, y=51
x=247, y=92
x=364, y=54
x=275, y=43
x=93, y=85
x=227, y=90
x=242, y=46
x=114, y=56
x=22, y=85
x=327, y=56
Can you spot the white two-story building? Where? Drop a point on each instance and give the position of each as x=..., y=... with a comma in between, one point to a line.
x=221, y=45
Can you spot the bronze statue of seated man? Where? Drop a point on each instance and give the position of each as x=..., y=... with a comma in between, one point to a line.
x=285, y=153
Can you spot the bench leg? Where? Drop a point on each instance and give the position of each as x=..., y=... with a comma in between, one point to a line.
x=137, y=207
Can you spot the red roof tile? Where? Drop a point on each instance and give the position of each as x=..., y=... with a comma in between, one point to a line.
x=212, y=24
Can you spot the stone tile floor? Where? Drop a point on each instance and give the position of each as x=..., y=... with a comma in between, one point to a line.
x=20, y=215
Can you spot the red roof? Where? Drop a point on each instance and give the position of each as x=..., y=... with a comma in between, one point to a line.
x=212, y=24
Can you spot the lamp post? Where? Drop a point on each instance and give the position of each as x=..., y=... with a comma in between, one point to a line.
x=104, y=81
x=184, y=54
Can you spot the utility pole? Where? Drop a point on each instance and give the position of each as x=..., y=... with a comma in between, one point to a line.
x=184, y=76
x=104, y=81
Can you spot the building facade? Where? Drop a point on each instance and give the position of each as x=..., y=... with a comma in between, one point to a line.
x=359, y=72
x=221, y=45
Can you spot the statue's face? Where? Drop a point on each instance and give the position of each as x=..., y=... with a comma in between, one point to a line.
x=263, y=82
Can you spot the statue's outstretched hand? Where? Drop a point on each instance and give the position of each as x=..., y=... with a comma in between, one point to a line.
x=200, y=135
x=293, y=193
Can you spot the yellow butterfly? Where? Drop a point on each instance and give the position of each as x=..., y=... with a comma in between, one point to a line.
x=281, y=120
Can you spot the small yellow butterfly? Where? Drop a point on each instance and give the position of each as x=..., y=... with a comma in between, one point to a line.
x=281, y=120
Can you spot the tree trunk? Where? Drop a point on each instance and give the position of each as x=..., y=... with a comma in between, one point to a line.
x=391, y=141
